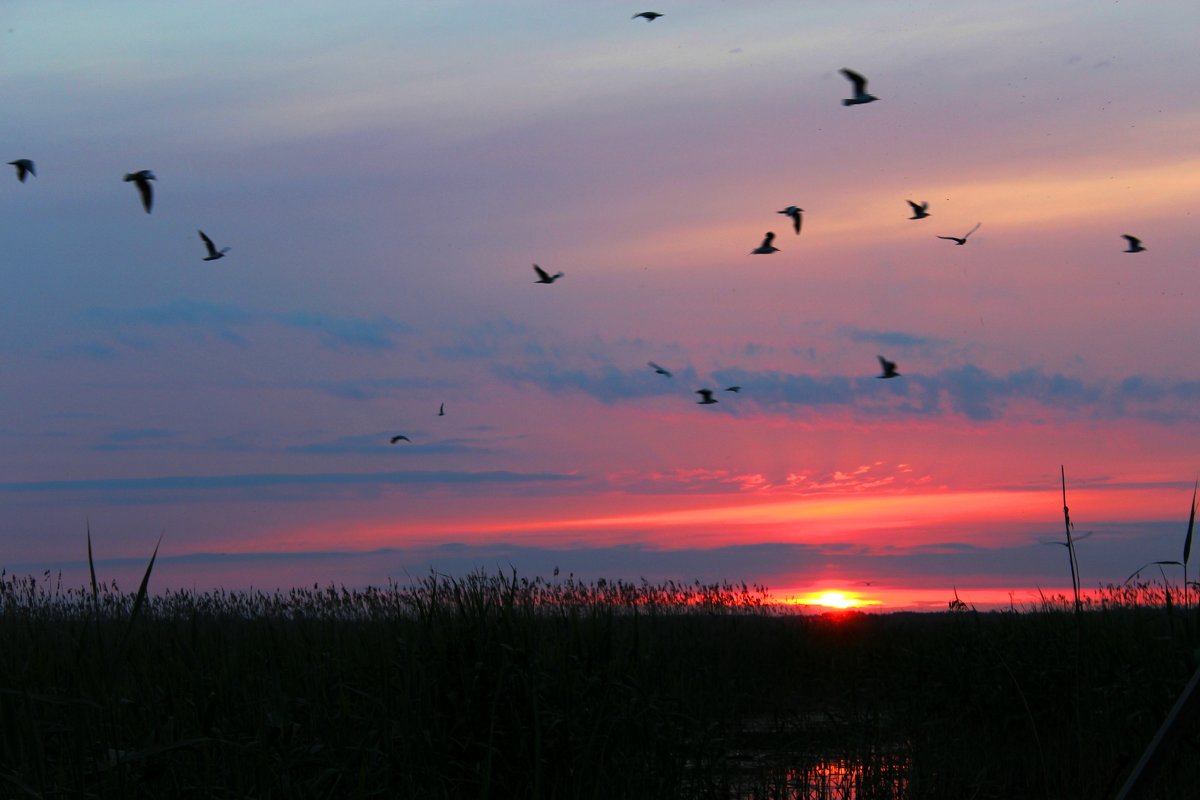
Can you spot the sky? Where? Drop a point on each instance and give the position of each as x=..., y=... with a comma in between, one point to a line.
x=386, y=174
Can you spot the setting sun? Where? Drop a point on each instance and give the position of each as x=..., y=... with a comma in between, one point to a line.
x=837, y=600
x=832, y=599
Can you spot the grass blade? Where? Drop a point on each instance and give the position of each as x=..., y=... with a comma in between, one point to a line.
x=1070, y=543
x=1187, y=543
x=91, y=567
x=137, y=603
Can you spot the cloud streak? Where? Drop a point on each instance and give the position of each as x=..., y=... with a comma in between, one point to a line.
x=966, y=391
x=176, y=483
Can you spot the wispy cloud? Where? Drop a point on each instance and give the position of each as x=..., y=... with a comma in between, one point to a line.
x=376, y=445
x=177, y=312
x=139, y=439
x=887, y=338
x=370, y=388
x=967, y=391
x=606, y=383
x=267, y=480
x=874, y=477
x=340, y=333
x=220, y=320
x=227, y=322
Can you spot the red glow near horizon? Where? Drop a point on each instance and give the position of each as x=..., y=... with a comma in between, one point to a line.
x=710, y=521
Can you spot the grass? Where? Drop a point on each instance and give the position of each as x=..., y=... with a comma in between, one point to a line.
x=495, y=686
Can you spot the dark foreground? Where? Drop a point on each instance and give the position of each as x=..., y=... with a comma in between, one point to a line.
x=497, y=687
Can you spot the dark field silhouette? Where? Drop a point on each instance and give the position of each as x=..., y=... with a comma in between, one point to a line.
x=494, y=685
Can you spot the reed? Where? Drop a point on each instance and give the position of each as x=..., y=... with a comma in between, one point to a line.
x=496, y=685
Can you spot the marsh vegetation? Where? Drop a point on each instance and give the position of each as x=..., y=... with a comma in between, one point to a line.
x=504, y=687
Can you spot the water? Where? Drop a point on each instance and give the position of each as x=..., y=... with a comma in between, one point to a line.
x=792, y=764
x=834, y=778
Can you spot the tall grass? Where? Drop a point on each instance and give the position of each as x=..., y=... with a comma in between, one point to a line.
x=499, y=686
x=1070, y=542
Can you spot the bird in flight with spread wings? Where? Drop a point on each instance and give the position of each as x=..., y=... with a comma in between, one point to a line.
x=141, y=179
x=860, y=89
x=961, y=239
x=545, y=277
x=213, y=252
x=766, y=248
x=24, y=168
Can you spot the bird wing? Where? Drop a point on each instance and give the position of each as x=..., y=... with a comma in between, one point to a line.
x=860, y=83
x=950, y=238
x=212, y=250
x=797, y=220
x=541, y=272
x=1133, y=240
x=968, y=233
x=146, y=191
x=917, y=208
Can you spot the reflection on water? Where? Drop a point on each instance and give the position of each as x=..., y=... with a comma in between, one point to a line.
x=877, y=777
x=797, y=759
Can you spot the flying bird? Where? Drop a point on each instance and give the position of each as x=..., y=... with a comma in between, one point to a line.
x=658, y=369
x=920, y=210
x=706, y=398
x=213, y=252
x=860, y=89
x=889, y=368
x=962, y=240
x=24, y=168
x=442, y=410
x=733, y=388
x=141, y=179
x=649, y=16
x=545, y=277
x=1135, y=244
x=400, y=438
x=794, y=213
x=766, y=248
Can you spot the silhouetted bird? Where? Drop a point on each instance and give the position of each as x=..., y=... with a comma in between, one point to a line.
x=794, y=213
x=920, y=211
x=733, y=388
x=24, y=167
x=545, y=277
x=706, y=398
x=442, y=410
x=213, y=252
x=962, y=240
x=889, y=368
x=1135, y=244
x=649, y=16
x=860, y=89
x=766, y=248
x=658, y=369
x=400, y=438
x=142, y=179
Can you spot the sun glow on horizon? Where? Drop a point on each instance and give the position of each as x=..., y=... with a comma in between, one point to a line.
x=833, y=599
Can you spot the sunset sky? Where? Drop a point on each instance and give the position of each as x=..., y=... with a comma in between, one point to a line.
x=385, y=175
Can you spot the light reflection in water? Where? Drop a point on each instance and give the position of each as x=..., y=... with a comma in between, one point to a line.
x=878, y=777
